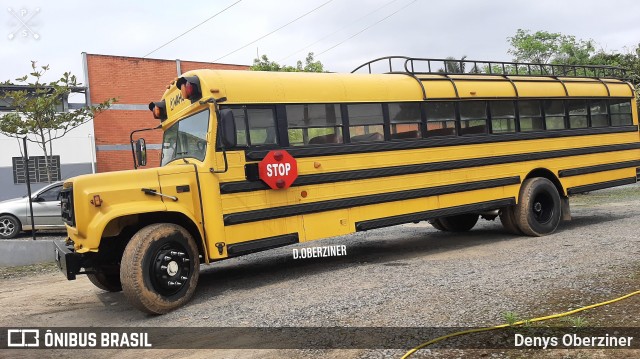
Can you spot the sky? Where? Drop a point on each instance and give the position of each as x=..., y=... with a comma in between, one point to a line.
x=342, y=33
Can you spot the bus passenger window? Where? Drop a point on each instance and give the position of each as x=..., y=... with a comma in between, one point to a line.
x=366, y=122
x=530, y=116
x=405, y=120
x=314, y=124
x=620, y=112
x=473, y=117
x=599, y=113
x=577, y=114
x=241, y=126
x=554, y=114
x=441, y=118
x=503, y=116
x=262, y=126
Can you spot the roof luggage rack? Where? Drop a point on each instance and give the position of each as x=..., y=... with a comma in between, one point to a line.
x=422, y=66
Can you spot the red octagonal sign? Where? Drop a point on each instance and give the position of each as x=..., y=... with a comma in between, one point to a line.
x=278, y=169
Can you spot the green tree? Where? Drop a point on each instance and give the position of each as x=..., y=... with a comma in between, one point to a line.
x=264, y=64
x=556, y=48
x=544, y=47
x=38, y=114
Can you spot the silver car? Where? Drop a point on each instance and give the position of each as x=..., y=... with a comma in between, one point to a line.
x=15, y=216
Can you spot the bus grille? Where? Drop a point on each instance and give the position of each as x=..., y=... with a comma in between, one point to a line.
x=66, y=205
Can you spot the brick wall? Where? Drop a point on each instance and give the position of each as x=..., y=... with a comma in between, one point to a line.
x=133, y=81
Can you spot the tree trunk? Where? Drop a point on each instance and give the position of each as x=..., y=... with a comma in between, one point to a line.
x=43, y=144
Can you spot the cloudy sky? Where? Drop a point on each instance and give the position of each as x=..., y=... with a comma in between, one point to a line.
x=343, y=33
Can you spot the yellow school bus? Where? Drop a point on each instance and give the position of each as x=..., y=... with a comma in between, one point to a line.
x=258, y=160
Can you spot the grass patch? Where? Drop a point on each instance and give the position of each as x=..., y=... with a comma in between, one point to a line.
x=24, y=271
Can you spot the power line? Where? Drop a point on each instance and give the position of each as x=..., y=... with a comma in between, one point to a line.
x=335, y=32
x=280, y=28
x=366, y=28
x=193, y=28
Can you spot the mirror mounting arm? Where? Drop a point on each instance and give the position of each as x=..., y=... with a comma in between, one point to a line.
x=215, y=103
x=133, y=151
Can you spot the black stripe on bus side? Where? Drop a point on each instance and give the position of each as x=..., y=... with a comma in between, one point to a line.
x=601, y=185
x=436, y=213
x=298, y=209
x=238, y=249
x=331, y=150
x=246, y=186
x=598, y=168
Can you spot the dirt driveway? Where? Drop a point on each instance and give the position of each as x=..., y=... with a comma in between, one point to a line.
x=404, y=276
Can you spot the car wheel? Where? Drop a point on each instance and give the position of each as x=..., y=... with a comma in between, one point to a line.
x=160, y=268
x=9, y=227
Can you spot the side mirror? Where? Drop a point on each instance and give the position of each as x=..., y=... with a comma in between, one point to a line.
x=141, y=152
x=227, y=128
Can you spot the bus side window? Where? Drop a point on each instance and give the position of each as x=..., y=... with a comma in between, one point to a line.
x=577, y=113
x=366, y=122
x=473, y=117
x=241, y=126
x=620, y=112
x=503, y=116
x=554, y=114
x=314, y=124
x=262, y=126
x=405, y=120
x=441, y=118
x=530, y=116
x=599, y=113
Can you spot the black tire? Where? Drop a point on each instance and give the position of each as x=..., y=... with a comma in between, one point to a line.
x=9, y=226
x=160, y=268
x=437, y=224
x=459, y=223
x=508, y=219
x=106, y=281
x=538, y=212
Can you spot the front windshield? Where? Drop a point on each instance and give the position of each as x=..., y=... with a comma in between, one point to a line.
x=186, y=138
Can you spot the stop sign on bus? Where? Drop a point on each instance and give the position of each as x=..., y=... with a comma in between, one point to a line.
x=278, y=169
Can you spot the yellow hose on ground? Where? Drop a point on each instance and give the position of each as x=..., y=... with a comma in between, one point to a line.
x=478, y=330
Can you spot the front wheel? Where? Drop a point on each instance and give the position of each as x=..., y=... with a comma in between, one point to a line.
x=9, y=227
x=538, y=212
x=160, y=268
x=106, y=277
x=460, y=222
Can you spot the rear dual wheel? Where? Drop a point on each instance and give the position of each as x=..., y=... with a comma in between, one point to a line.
x=160, y=268
x=538, y=212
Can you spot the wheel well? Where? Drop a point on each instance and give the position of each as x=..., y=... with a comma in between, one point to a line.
x=138, y=221
x=545, y=173
x=16, y=218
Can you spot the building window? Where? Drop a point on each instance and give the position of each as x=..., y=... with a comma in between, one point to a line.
x=37, y=169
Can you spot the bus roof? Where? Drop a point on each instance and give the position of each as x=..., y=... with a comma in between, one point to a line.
x=255, y=87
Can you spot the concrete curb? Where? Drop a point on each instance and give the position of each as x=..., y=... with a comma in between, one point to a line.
x=20, y=252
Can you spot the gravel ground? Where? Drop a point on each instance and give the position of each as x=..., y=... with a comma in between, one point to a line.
x=403, y=276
